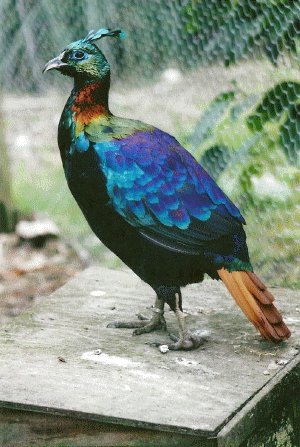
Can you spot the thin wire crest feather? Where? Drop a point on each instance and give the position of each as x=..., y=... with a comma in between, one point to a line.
x=92, y=35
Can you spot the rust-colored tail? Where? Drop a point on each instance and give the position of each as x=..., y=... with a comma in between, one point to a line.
x=256, y=302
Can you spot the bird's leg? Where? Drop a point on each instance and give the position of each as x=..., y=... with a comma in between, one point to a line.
x=144, y=324
x=157, y=321
x=187, y=340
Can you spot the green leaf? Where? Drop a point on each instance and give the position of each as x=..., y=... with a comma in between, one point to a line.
x=275, y=101
x=290, y=134
x=215, y=160
x=226, y=96
x=242, y=152
x=255, y=169
x=236, y=111
x=218, y=158
x=210, y=118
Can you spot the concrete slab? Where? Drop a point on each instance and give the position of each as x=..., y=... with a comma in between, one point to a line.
x=60, y=358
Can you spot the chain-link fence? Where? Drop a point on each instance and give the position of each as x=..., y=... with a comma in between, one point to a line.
x=221, y=76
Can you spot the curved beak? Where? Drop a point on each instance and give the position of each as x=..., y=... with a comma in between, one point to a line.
x=55, y=63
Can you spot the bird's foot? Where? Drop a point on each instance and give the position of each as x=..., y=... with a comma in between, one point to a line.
x=156, y=322
x=144, y=325
x=186, y=342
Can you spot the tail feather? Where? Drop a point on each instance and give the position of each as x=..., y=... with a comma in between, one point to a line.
x=256, y=302
x=256, y=289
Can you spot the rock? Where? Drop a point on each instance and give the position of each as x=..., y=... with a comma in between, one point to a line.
x=37, y=230
x=163, y=349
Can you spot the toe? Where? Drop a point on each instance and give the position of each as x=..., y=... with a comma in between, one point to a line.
x=187, y=342
x=127, y=324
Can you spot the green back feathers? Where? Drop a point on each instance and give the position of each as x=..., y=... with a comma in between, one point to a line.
x=106, y=128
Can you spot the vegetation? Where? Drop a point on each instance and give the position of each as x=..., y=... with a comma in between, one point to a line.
x=268, y=141
x=267, y=144
x=234, y=29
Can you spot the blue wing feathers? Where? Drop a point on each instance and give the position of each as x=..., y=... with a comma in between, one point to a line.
x=155, y=184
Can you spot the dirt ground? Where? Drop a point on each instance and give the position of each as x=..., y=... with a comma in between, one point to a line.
x=29, y=273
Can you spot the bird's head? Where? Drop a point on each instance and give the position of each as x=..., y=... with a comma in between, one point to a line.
x=82, y=59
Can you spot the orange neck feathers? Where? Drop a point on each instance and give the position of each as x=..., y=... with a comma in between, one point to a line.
x=90, y=102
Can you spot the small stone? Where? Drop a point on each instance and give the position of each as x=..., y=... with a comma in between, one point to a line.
x=282, y=362
x=163, y=349
x=29, y=230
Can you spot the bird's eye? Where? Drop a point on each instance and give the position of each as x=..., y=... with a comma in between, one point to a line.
x=79, y=54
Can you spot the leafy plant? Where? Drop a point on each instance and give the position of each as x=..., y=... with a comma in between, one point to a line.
x=264, y=143
x=231, y=30
x=211, y=117
x=214, y=155
x=281, y=105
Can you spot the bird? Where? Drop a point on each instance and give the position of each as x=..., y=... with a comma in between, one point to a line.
x=151, y=203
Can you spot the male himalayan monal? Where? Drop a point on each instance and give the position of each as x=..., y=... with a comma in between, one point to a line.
x=150, y=202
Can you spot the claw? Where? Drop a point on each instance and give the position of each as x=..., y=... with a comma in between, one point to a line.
x=127, y=324
x=157, y=322
x=142, y=317
x=143, y=325
x=187, y=340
